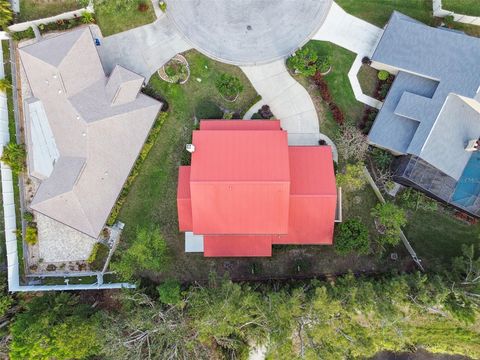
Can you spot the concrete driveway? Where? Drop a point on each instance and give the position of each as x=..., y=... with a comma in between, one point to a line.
x=289, y=102
x=247, y=32
x=144, y=49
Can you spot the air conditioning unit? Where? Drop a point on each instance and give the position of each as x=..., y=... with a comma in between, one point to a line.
x=190, y=148
x=473, y=145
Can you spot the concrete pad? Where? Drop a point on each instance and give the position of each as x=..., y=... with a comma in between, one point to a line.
x=193, y=242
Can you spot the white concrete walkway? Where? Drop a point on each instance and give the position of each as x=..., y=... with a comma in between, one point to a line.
x=289, y=102
x=64, y=16
x=439, y=11
x=144, y=49
x=355, y=35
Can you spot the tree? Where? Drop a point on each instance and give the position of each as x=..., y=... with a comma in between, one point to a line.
x=390, y=220
x=169, y=292
x=149, y=252
x=352, y=236
x=6, y=14
x=352, y=144
x=15, y=156
x=5, y=85
x=304, y=61
x=352, y=178
x=55, y=326
x=229, y=86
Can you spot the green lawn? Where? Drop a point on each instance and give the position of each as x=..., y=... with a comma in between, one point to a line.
x=437, y=236
x=368, y=79
x=114, y=16
x=39, y=9
x=378, y=12
x=466, y=7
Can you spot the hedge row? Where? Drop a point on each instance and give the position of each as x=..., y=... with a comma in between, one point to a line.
x=136, y=168
x=327, y=97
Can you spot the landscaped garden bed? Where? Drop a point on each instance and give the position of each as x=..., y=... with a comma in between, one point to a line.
x=176, y=71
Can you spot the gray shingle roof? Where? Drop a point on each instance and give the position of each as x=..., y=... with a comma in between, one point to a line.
x=433, y=63
x=99, y=126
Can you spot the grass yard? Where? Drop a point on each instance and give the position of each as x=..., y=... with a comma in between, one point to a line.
x=437, y=236
x=378, y=12
x=38, y=9
x=114, y=16
x=466, y=7
x=368, y=79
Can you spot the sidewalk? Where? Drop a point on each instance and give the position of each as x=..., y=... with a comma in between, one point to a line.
x=355, y=35
x=439, y=11
x=289, y=102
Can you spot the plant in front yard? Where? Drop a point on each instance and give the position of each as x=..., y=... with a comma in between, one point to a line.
x=351, y=236
x=87, y=17
x=5, y=85
x=304, y=62
x=229, y=86
x=381, y=158
x=265, y=112
x=352, y=144
x=389, y=219
x=149, y=252
x=31, y=235
x=6, y=14
x=414, y=200
x=352, y=178
x=163, y=6
x=169, y=292
x=14, y=155
x=324, y=63
x=383, y=75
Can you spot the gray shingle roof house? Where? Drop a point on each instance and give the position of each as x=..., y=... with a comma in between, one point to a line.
x=432, y=111
x=84, y=129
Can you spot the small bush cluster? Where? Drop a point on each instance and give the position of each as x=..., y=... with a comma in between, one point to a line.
x=143, y=6
x=25, y=34
x=303, y=62
x=381, y=158
x=31, y=235
x=265, y=112
x=228, y=86
x=136, y=168
x=15, y=156
x=414, y=200
x=169, y=292
x=383, y=75
x=351, y=236
x=352, y=178
x=327, y=97
x=61, y=25
x=391, y=219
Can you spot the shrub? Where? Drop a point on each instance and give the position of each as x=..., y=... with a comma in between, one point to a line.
x=25, y=34
x=414, y=200
x=87, y=17
x=304, y=61
x=391, y=218
x=6, y=13
x=176, y=71
x=352, y=236
x=352, y=144
x=383, y=75
x=322, y=87
x=5, y=85
x=449, y=20
x=324, y=63
x=98, y=256
x=381, y=158
x=163, y=6
x=148, y=252
x=28, y=216
x=265, y=112
x=229, y=86
x=352, y=178
x=31, y=235
x=169, y=292
x=14, y=155
x=337, y=113
x=366, y=60
x=142, y=6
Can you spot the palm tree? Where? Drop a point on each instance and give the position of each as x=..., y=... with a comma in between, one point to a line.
x=6, y=14
x=4, y=85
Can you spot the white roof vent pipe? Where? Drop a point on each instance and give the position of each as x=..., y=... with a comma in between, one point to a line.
x=190, y=148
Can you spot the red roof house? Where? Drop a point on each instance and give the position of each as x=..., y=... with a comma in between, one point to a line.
x=246, y=190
